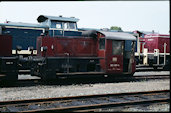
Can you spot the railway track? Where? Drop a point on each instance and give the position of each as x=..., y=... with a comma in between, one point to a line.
x=125, y=108
x=33, y=82
x=86, y=102
x=138, y=77
x=142, y=68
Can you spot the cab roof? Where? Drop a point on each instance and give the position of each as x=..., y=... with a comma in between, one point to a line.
x=117, y=35
x=43, y=18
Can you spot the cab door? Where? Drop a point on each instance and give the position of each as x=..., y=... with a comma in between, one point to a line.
x=101, y=53
x=114, y=56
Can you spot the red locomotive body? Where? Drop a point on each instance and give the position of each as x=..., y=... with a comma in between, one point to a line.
x=155, y=50
x=156, y=41
x=75, y=47
x=103, y=54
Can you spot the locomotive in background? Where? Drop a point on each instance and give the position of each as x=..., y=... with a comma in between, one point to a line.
x=153, y=50
x=66, y=51
x=25, y=34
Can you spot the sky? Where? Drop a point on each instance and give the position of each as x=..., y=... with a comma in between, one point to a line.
x=129, y=15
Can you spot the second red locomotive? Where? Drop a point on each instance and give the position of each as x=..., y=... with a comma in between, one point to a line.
x=154, y=50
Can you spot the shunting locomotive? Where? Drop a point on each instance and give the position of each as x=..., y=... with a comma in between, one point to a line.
x=80, y=55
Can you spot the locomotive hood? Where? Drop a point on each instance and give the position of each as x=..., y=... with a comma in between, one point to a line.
x=21, y=24
x=117, y=35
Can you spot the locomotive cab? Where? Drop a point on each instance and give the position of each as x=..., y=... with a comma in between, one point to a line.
x=60, y=26
x=118, y=51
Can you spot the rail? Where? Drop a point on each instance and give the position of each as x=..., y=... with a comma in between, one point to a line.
x=85, y=102
x=64, y=81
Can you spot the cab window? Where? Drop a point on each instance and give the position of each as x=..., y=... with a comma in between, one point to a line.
x=59, y=25
x=102, y=43
x=72, y=25
x=69, y=25
x=117, y=47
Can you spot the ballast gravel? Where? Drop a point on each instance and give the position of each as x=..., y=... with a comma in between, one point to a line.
x=47, y=91
x=164, y=107
x=152, y=73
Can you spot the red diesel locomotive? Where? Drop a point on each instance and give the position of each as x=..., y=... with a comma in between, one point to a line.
x=105, y=53
x=102, y=53
x=154, y=50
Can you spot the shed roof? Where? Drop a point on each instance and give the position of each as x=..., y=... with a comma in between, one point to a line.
x=118, y=35
x=42, y=18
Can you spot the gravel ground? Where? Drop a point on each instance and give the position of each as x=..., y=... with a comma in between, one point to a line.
x=150, y=108
x=144, y=108
x=153, y=73
x=47, y=91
